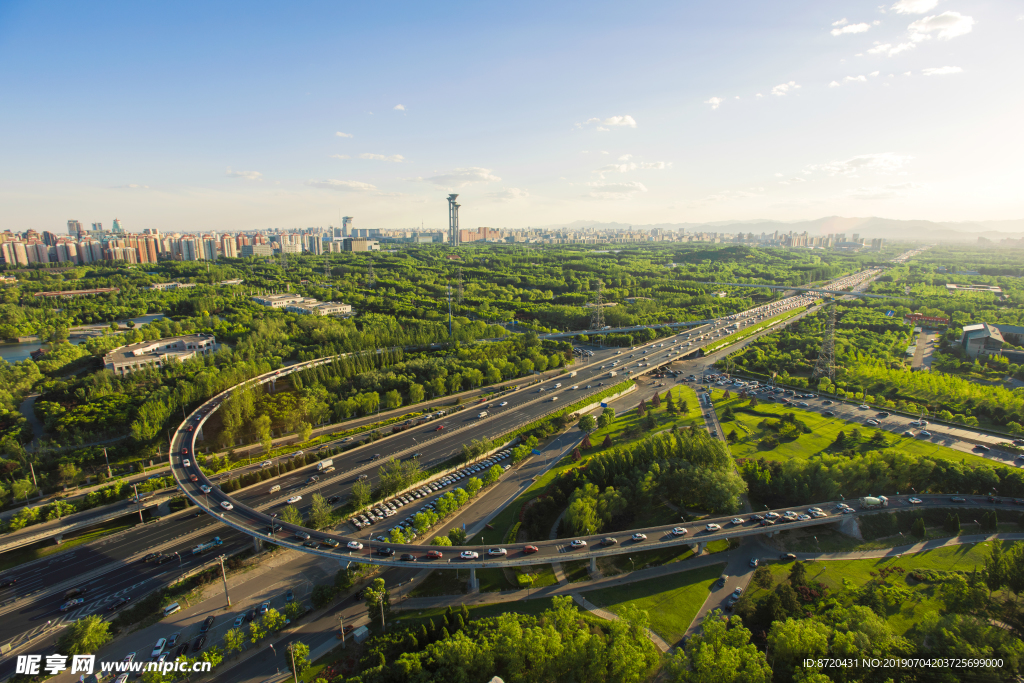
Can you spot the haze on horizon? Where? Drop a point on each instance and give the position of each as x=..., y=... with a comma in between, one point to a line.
x=236, y=116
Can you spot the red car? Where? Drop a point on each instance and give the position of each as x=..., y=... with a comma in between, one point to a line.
x=434, y=555
x=193, y=478
x=439, y=428
x=184, y=451
x=190, y=428
x=530, y=549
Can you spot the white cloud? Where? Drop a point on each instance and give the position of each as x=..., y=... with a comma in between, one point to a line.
x=619, y=121
x=784, y=88
x=907, y=73
x=841, y=22
x=461, y=177
x=343, y=135
x=851, y=28
x=795, y=179
x=340, y=156
x=399, y=107
x=758, y=95
x=859, y=79
x=834, y=84
x=131, y=186
x=248, y=175
x=874, y=73
x=715, y=102
x=615, y=190
x=396, y=158
x=509, y=194
x=656, y=165
x=914, y=6
x=342, y=185
x=617, y=168
x=891, y=50
x=625, y=157
x=947, y=25
x=891, y=191
x=941, y=71
x=885, y=162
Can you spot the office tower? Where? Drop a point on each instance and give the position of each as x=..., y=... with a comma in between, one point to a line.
x=74, y=228
x=118, y=228
x=346, y=226
x=97, y=227
x=227, y=247
x=209, y=248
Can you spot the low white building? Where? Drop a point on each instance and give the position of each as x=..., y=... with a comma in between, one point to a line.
x=157, y=354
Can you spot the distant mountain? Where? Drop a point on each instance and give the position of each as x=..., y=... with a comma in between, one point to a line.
x=915, y=230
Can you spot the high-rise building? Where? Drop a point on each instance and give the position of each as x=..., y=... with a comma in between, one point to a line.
x=118, y=228
x=346, y=226
x=227, y=246
x=453, y=220
x=74, y=228
x=209, y=248
x=97, y=227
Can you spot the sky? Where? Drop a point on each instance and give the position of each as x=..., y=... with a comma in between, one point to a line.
x=238, y=116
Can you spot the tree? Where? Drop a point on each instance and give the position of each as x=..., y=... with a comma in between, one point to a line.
x=441, y=540
x=342, y=579
x=21, y=489
x=361, y=493
x=415, y=393
x=214, y=656
x=607, y=443
x=995, y=568
x=321, y=597
x=952, y=525
x=473, y=486
x=493, y=475
x=641, y=409
x=299, y=654
x=587, y=423
x=721, y=652
x=795, y=639
x=457, y=536
x=732, y=437
x=918, y=528
x=266, y=437
x=762, y=577
x=85, y=636
x=234, y=640
x=586, y=443
x=273, y=620
x=68, y=474
x=321, y=513
x=656, y=401
x=798, y=574
x=840, y=440
x=290, y=515
x=257, y=631
x=305, y=431
x=392, y=400
x=375, y=596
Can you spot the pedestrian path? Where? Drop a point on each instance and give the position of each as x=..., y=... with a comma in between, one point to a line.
x=609, y=616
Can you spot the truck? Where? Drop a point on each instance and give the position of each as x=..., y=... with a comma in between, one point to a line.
x=202, y=547
x=612, y=373
x=874, y=502
x=572, y=374
x=323, y=465
x=482, y=414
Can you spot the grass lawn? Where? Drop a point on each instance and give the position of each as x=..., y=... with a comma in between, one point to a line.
x=823, y=433
x=42, y=549
x=441, y=582
x=404, y=619
x=576, y=570
x=858, y=572
x=671, y=601
x=627, y=426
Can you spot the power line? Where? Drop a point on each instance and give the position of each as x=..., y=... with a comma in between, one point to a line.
x=597, y=315
x=825, y=366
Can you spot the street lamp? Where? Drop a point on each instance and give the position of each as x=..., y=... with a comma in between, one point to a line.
x=273, y=525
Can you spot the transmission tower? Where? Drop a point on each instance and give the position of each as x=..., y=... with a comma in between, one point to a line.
x=825, y=366
x=458, y=291
x=597, y=315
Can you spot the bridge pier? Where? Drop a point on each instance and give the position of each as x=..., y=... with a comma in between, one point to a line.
x=474, y=583
x=164, y=508
x=58, y=538
x=593, y=565
x=199, y=434
x=256, y=544
x=698, y=548
x=273, y=385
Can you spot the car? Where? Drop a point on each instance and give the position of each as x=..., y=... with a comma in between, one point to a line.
x=264, y=607
x=289, y=596
x=439, y=428
x=198, y=643
x=958, y=499
x=226, y=505
x=207, y=623
x=982, y=447
x=908, y=433
x=385, y=552
x=434, y=555
x=172, y=639
x=924, y=433
x=737, y=521
x=193, y=478
x=864, y=406
x=787, y=556
x=993, y=499
x=72, y=603
x=205, y=489
x=873, y=423
x=530, y=549
x=803, y=518
x=914, y=501
x=354, y=545
x=609, y=540
x=239, y=620
x=469, y=555
x=503, y=404
x=333, y=499
x=767, y=522
x=294, y=499
x=756, y=518
x=186, y=462
x=6, y=583
x=266, y=463
x=119, y=603
x=737, y=593
x=184, y=451
x=713, y=527
x=827, y=402
x=679, y=531
x=408, y=557
x=722, y=579
x=753, y=562
x=496, y=552
x=123, y=678
x=578, y=543
x=638, y=537
x=181, y=650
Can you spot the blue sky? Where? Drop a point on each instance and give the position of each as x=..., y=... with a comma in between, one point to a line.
x=228, y=116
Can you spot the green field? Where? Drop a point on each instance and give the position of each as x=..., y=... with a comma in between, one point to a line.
x=922, y=601
x=671, y=601
x=821, y=437
x=626, y=423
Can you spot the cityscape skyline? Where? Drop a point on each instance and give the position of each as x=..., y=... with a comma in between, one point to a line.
x=676, y=114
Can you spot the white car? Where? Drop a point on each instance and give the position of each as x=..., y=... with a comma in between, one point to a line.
x=864, y=406
x=804, y=518
x=226, y=505
x=354, y=545
x=158, y=649
x=578, y=543
x=737, y=521
x=914, y=501
x=205, y=489
x=266, y=463
x=497, y=552
x=713, y=527
x=679, y=531
x=503, y=404
x=470, y=555
x=638, y=537
x=294, y=499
